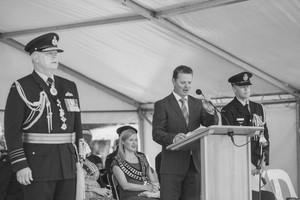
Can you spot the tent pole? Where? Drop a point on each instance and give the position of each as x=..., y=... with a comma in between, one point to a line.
x=298, y=143
x=142, y=129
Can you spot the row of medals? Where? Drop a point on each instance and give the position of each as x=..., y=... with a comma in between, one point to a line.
x=53, y=91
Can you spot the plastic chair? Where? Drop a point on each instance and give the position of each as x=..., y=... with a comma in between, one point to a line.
x=274, y=175
x=115, y=185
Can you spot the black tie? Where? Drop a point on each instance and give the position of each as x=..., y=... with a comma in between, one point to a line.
x=50, y=82
x=247, y=108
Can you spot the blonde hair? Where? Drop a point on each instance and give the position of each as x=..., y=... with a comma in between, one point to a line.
x=123, y=137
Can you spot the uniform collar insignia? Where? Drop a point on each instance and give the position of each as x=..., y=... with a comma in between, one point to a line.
x=68, y=94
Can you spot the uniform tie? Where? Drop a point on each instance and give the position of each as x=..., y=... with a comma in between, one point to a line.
x=50, y=82
x=247, y=107
x=51, y=86
x=184, y=110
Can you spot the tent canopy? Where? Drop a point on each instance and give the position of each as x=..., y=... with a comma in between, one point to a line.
x=121, y=54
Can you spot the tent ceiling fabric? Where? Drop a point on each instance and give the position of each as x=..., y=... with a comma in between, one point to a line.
x=137, y=57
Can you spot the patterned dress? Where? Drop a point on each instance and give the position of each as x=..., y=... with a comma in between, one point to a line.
x=92, y=174
x=137, y=173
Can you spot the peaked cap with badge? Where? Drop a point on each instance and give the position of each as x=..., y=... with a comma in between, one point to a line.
x=42, y=126
x=44, y=43
x=241, y=79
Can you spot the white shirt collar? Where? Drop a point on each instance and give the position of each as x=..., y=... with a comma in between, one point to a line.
x=43, y=76
x=179, y=97
x=243, y=102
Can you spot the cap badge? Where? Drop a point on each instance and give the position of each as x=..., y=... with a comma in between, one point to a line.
x=245, y=77
x=54, y=41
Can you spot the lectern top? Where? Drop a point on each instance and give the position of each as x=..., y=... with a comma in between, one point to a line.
x=223, y=130
x=247, y=131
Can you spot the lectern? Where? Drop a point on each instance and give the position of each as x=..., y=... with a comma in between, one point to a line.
x=225, y=168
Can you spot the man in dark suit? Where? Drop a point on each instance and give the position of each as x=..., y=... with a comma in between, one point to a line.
x=243, y=112
x=175, y=116
x=42, y=124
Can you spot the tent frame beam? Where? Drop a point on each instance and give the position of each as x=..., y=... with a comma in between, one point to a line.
x=192, y=7
x=122, y=18
x=117, y=19
x=82, y=77
x=168, y=24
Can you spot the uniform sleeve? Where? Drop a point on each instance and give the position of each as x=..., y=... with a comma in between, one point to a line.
x=77, y=122
x=266, y=149
x=13, y=122
x=256, y=147
x=159, y=125
x=227, y=117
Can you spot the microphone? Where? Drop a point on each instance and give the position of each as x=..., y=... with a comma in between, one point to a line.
x=199, y=92
x=230, y=133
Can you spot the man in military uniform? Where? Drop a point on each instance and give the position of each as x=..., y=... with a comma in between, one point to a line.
x=42, y=124
x=243, y=112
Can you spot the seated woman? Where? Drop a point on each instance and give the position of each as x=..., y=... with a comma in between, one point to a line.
x=132, y=170
x=93, y=190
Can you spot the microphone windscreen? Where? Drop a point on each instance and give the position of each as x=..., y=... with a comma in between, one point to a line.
x=198, y=91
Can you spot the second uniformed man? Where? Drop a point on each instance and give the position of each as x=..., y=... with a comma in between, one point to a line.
x=243, y=112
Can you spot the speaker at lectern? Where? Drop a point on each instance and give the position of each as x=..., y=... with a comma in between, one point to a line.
x=225, y=168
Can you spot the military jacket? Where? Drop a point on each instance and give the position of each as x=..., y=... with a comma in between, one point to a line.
x=234, y=113
x=47, y=161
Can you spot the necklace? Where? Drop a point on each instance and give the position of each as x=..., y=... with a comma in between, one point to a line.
x=141, y=175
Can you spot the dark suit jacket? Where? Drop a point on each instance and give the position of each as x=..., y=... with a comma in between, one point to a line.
x=47, y=161
x=233, y=111
x=168, y=121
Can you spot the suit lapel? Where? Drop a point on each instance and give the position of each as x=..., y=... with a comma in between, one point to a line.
x=252, y=109
x=176, y=107
x=41, y=83
x=192, y=108
x=240, y=108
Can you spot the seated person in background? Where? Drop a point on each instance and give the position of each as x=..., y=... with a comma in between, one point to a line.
x=110, y=157
x=132, y=170
x=93, y=189
x=96, y=151
x=10, y=188
x=94, y=145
